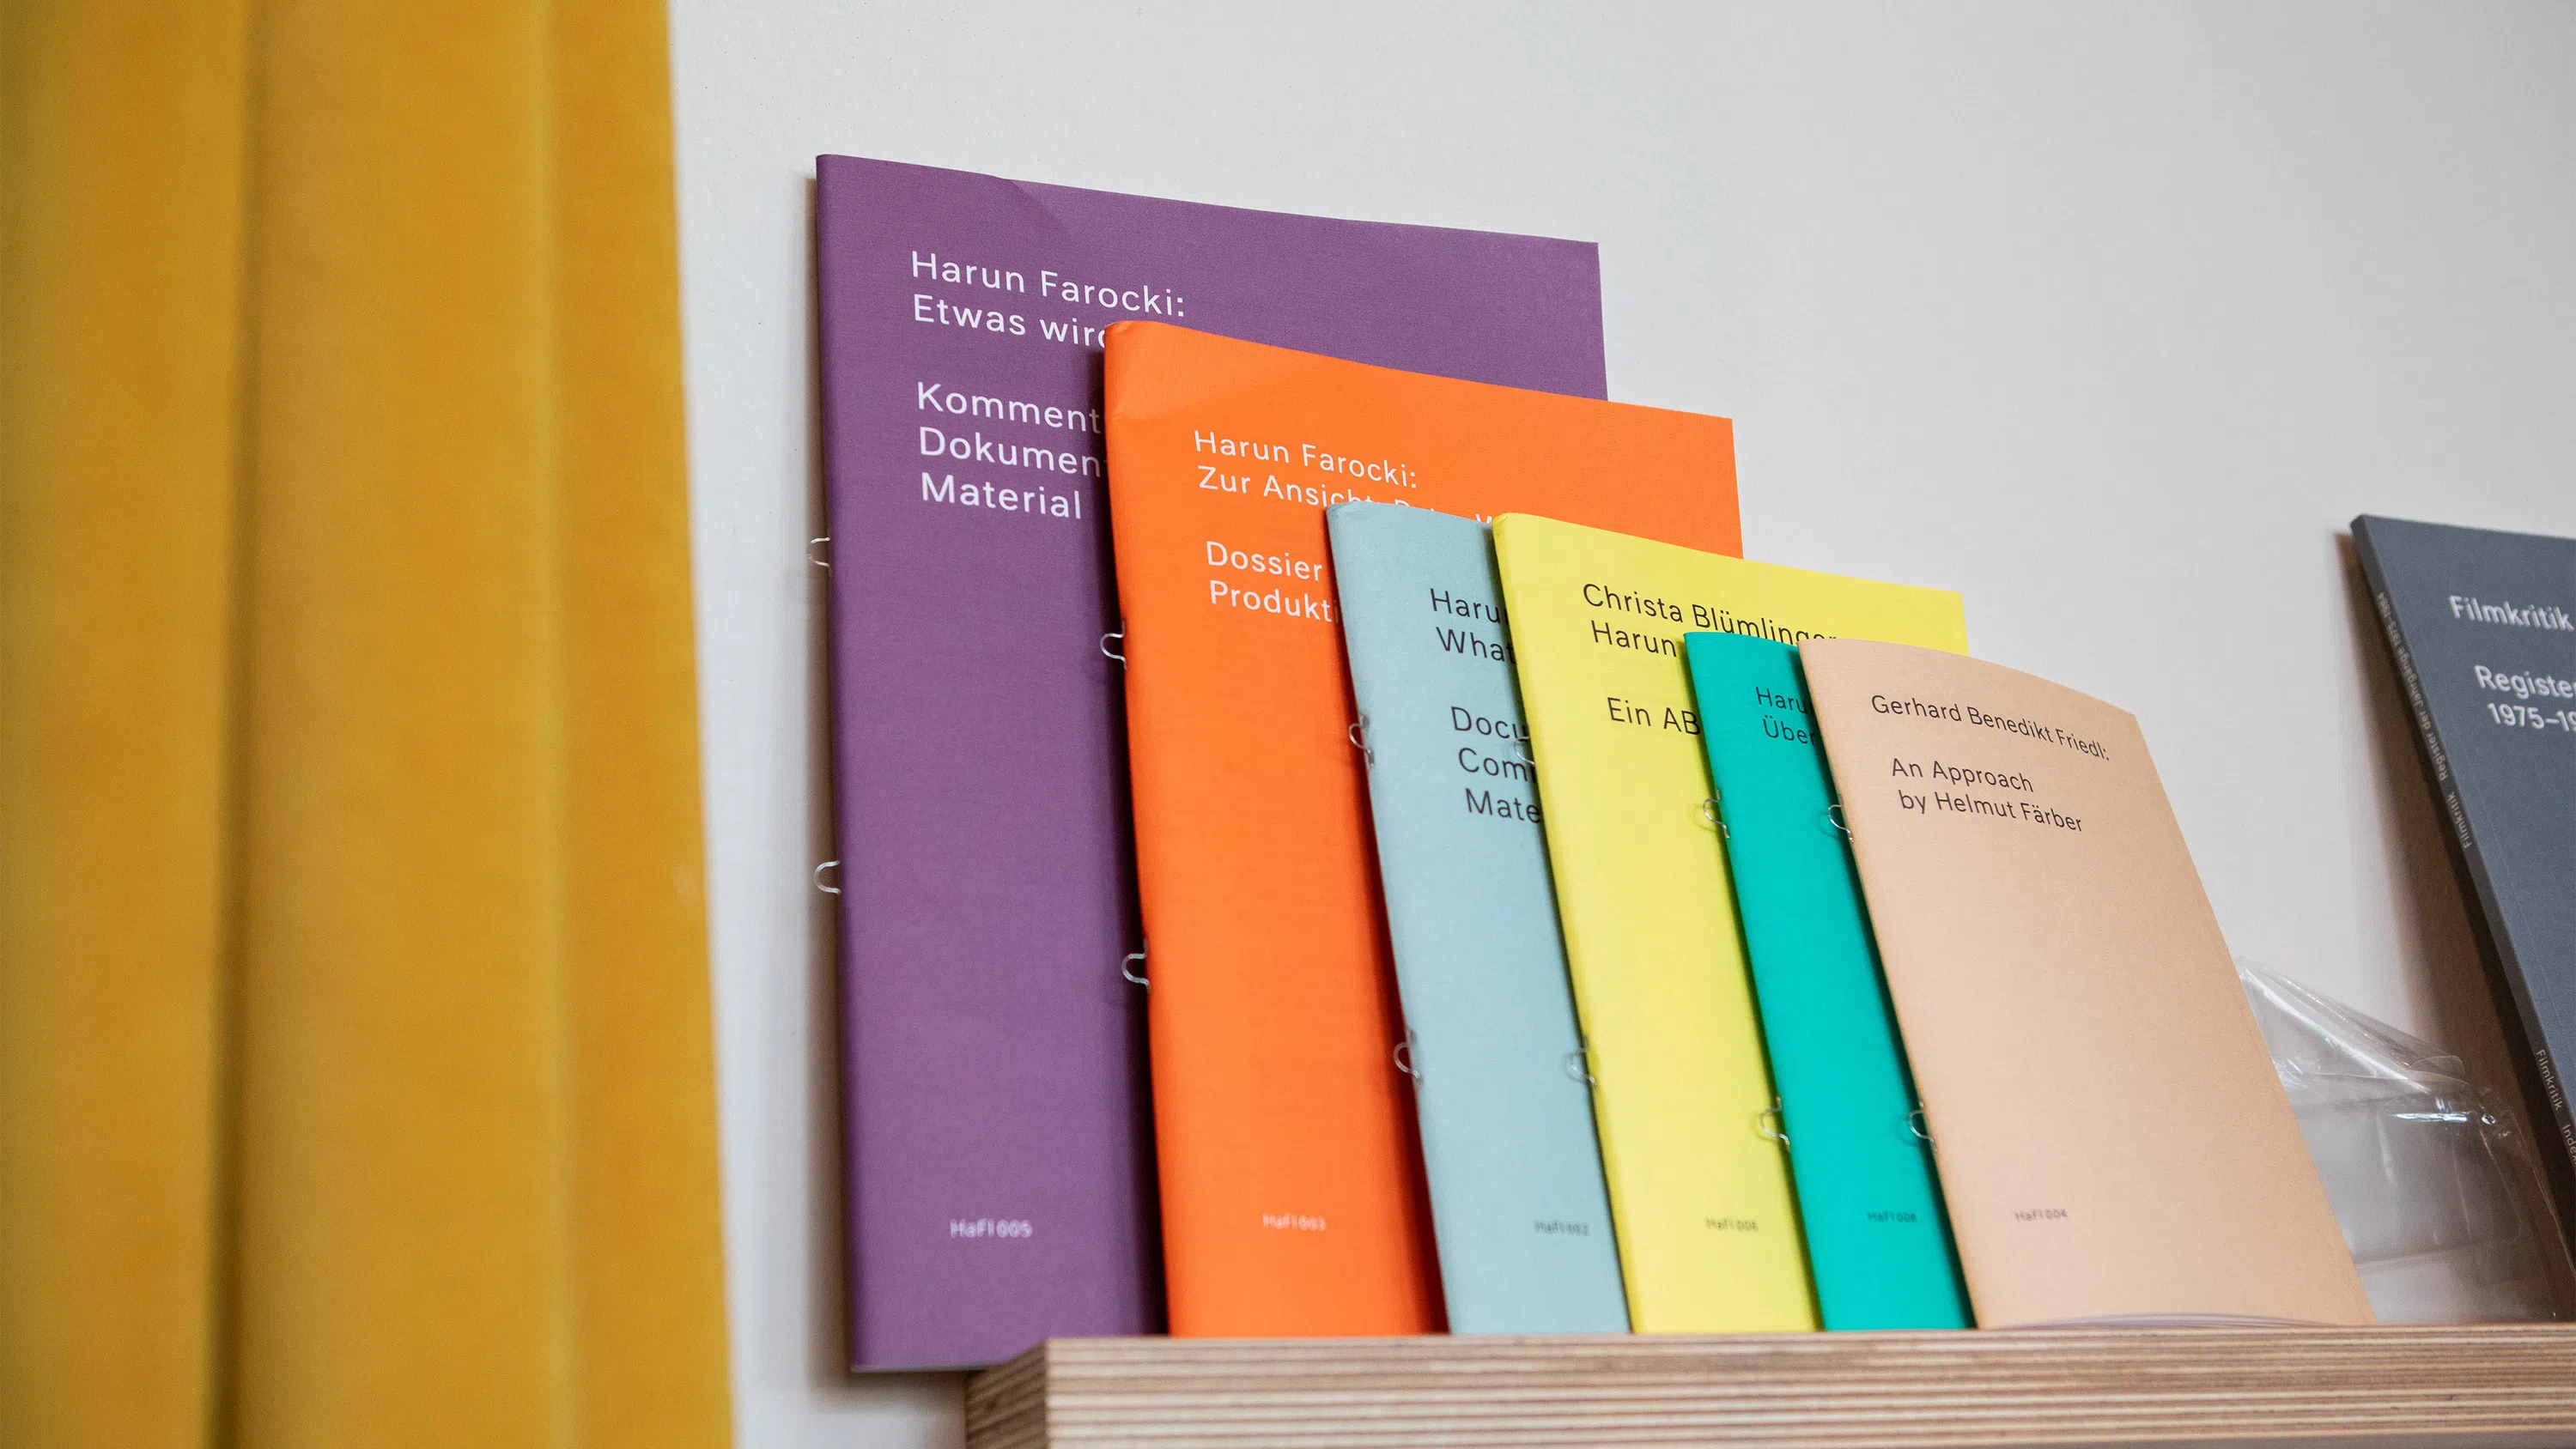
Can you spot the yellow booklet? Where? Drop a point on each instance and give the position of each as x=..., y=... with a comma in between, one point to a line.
x=1699, y=1187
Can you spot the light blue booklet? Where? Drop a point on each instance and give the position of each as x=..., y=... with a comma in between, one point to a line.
x=1518, y=1207
x=1877, y=1241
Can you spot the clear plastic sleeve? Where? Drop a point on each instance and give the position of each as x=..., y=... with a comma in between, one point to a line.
x=2432, y=1178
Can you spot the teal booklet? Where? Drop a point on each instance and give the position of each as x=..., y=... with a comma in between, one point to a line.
x=1519, y=1212
x=1876, y=1237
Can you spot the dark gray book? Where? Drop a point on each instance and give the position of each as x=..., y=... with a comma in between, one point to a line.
x=2483, y=627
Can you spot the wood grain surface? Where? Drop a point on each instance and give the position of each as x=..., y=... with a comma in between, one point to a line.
x=2383, y=1387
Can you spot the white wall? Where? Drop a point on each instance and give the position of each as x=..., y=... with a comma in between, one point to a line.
x=2109, y=317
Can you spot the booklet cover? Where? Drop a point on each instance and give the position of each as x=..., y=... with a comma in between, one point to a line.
x=2483, y=628
x=1291, y=1194
x=2114, y=1144
x=998, y=1149
x=1708, y=1234
x=1518, y=1211
x=1869, y=1203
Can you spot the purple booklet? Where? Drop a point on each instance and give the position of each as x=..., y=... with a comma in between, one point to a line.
x=998, y=1133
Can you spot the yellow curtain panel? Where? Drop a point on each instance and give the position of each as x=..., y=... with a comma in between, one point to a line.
x=356, y=1074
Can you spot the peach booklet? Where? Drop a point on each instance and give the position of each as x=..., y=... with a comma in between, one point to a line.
x=2113, y=1141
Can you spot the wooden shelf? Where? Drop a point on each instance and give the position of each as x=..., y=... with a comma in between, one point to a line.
x=2383, y=1387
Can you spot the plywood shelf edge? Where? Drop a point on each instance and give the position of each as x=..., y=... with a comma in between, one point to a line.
x=2462, y=1388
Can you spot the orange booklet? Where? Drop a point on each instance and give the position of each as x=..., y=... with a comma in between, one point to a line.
x=1291, y=1195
